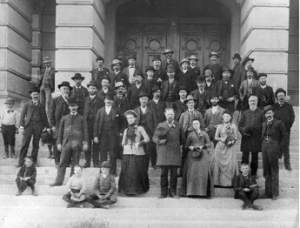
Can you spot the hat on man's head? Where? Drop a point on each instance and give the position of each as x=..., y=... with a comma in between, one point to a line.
x=226, y=68
x=190, y=98
x=64, y=83
x=109, y=96
x=116, y=61
x=150, y=68
x=168, y=51
x=9, y=100
x=105, y=164
x=156, y=58
x=182, y=87
x=130, y=112
x=72, y=101
x=119, y=84
x=213, y=53
x=193, y=57
x=154, y=89
x=184, y=61
x=138, y=73
x=247, y=59
x=170, y=68
x=267, y=108
x=143, y=94
x=161, y=133
x=200, y=79
x=77, y=76
x=47, y=60
x=262, y=75
x=213, y=94
x=131, y=57
x=93, y=83
x=99, y=58
x=237, y=56
x=33, y=89
x=250, y=68
x=280, y=90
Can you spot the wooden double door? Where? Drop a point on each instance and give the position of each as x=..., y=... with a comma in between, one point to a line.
x=148, y=39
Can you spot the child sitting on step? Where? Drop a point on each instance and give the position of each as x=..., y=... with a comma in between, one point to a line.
x=104, y=188
x=26, y=177
x=76, y=185
x=246, y=188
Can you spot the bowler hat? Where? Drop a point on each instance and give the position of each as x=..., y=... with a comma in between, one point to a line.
x=116, y=61
x=9, y=100
x=189, y=98
x=247, y=59
x=237, y=56
x=47, y=60
x=106, y=77
x=119, y=84
x=72, y=101
x=105, y=164
x=143, y=94
x=150, y=68
x=99, y=58
x=194, y=57
x=64, y=83
x=156, y=58
x=161, y=133
x=184, y=61
x=130, y=112
x=170, y=68
x=280, y=90
x=267, y=108
x=109, y=96
x=138, y=73
x=34, y=89
x=250, y=68
x=77, y=76
x=182, y=87
x=213, y=94
x=168, y=51
x=131, y=57
x=93, y=83
x=154, y=89
x=226, y=68
x=200, y=79
x=262, y=75
x=213, y=53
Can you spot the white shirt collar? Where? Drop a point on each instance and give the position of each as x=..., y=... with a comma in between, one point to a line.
x=105, y=90
x=184, y=71
x=171, y=80
x=74, y=114
x=156, y=100
x=77, y=87
x=263, y=86
x=138, y=85
x=107, y=109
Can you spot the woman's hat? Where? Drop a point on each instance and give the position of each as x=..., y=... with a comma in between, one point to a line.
x=130, y=112
x=9, y=100
x=34, y=89
x=105, y=164
x=77, y=76
x=161, y=133
x=237, y=56
x=267, y=108
x=184, y=61
x=213, y=53
x=194, y=57
x=280, y=90
x=143, y=94
x=65, y=83
x=168, y=51
x=190, y=98
x=248, y=59
x=93, y=83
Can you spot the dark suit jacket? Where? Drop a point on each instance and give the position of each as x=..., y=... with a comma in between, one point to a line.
x=240, y=182
x=216, y=70
x=26, y=115
x=179, y=108
x=148, y=86
x=185, y=79
x=196, y=94
x=165, y=90
x=101, y=94
x=269, y=98
x=232, y=91
x=120, y=77
x=164, y=65
x=195, y=72
x=132, y=95
x=239, y=75
x=126, y=71
x=74, y=127
x=91, y=107
x=58, y=109
x=245, y=85
x=211, y=87
x=98, y=75
x=285, y=113
x=151, y=120
x=121, y=104
x=159, y=109
x=52, y=78
x=162, y=74
x=85, y=93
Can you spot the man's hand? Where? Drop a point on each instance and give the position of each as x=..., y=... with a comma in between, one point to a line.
x=96, y=140
x=22, y=131
x=85, y=147
x=246, y=190
x=59, y=147
x=191, y=147
x=160, y=142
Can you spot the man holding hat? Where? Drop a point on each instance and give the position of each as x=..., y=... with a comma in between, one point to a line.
x=284, y=112
x=215, y=67
x=79, y=92
x=105, y=87
x=274, y=139
x=33, y=120
x=46, y=84
x=238, y=67
x=264, y=92
x=91, y=106
x=195, y=71
x=201, y=95
x=169, y=61
x=157, y=105
x=99, y=72
x=160, y=74
x=9, y=122
x=180, y=105
x=59, y=108
x=117, y=75
x=184, y=77
x=71, y=140
x=135, y=89
x=131, y=69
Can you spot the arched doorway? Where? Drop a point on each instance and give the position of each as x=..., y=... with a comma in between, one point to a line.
x=145, y=28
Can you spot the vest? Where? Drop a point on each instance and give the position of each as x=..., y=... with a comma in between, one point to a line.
x=36, y=115
x=108, y=122
x=225, y=89
x=78, y=95
x=170, y=97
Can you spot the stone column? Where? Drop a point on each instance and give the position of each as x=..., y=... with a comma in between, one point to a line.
x=80, y=37
x=264, y=37
x=15, y=48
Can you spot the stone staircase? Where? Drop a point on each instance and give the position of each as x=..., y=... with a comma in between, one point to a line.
x=146, y=210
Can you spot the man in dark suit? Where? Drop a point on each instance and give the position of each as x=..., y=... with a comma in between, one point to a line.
x=284, y=111
x=184, y=77
x=79, y=92
x=195, y=71
x=226, y=90
x=117, y=75
x=131, y=69
x=274, y=141
x=160, y=75
x=33, y=120
x=107, y=130
x=99, y=72
x=149, y=80
x=91, y=106
x=157, y=105
x=180, y=105
x=264, y=92
x=202, y=96
x=59, y=108
x=46, y=84
x=105, y=88
x=146, y=118
x=214, y=66
x=209, y=82
x=72, y=139
x=169, y=61
x=238, y=66
x=135, y=89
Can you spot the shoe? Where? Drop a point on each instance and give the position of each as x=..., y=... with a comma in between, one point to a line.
x=34, y=192
x=86, y=165
x=265, y=197
x=257, y=208
x=274, y=198
x=289, y=168
x=173, y=196
x=162, y=196
x=244, y=207
x=18, y=193
x=55, y=184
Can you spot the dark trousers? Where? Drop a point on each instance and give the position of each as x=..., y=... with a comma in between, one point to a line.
x=286, y=154
x=33, y=129
x=270, y=150
x=150, y=149
x=108, y=142
x=248, y=197
x=69, y=153
x=9, y=134
x=93, y=148
x=22, y=185
x=56, y=153
x=164, y=183
x=93, y=199
x=254, y=161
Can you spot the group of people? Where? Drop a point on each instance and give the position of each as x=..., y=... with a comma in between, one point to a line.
x=170, y=116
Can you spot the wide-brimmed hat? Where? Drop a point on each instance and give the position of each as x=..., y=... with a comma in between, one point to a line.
x=105, y=164
x=182, y=87
x=267, y=108
x=194, y=57
x=119, y=84
x=33, y=89
x=236, y=56
x=109, y=96
x=131, y=57
x=65, y=83
x=250, y=68
x=262, y=75
x=130, y=112
x=184, y=61
x=154, y=89
x=156, y=58
x=150, y=68
x=226, y=68
x=116, y=61
x=143, y=94
x=280, y=90
x=168, y=51
x=200, y=79
x=248, y=59
x=93, y=83
x=72, y=101
x=77, y=76
x=138, y=73
x=9, y=100
x=47, y=60
x=161, y=133
x=213, y=53
x=189, y=98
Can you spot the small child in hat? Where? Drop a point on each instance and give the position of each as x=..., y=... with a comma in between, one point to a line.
x=104, y=188
x=26, y=177
x=9, y=127
x=77, y=187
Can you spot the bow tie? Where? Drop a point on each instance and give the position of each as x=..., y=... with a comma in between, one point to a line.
x=100, y=69
x=10, y=111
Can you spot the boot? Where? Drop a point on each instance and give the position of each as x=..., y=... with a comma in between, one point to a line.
x=6, y=151
x=18, y=193
x=12, y=152
x=50, y=152
x=34, y=192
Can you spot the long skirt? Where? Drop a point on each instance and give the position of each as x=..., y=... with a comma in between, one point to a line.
x=134, y=175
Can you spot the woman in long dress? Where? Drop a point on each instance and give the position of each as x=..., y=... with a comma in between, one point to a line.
x=197, y=179
x=134, y=174
x=225, y=163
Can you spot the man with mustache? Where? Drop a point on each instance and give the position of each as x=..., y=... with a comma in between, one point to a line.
x=264, y=92
x=135, y=89
x=195, y=71
x=214, y=66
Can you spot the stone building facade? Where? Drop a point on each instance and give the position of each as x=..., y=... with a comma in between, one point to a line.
x=74, y=32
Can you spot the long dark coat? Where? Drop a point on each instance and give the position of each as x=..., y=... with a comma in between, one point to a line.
x=159, y=110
